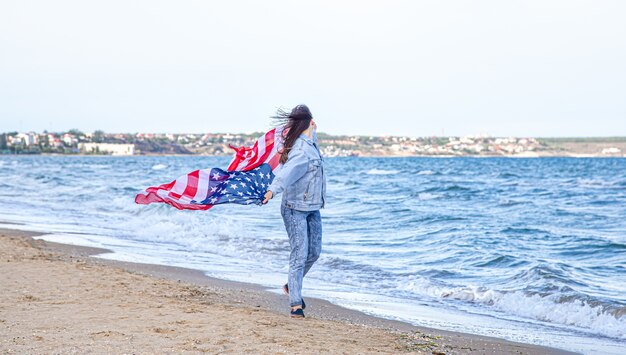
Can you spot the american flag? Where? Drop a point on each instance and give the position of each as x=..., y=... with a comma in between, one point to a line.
x=265, y=150
x=245, y=182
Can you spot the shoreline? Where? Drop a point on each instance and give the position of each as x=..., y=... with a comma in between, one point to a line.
x=236, y=311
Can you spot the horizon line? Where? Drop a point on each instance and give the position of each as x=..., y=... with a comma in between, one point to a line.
x=335, y=135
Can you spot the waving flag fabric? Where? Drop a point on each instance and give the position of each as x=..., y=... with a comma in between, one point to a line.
x=264, y=150
x=202, y=189
x=245, y=182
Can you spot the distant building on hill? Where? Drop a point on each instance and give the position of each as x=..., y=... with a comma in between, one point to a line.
x=611, y=150
x=107, y=148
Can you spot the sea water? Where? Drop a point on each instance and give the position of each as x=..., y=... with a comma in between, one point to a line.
x=531, y=250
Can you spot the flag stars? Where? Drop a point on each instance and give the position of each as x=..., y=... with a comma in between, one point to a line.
x=241, y=187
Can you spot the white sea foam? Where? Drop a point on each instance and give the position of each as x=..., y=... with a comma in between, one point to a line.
x=575, y=313
x=425, y=196
x=159, y=167
x=215, y=232
x=426, y=172
x=381, y=172
x=97, y=166
x=595, y=183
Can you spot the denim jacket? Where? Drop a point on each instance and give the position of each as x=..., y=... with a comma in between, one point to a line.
x=301, y=179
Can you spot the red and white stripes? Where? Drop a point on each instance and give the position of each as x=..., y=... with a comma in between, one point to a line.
x=195, y=186
x=265, y=150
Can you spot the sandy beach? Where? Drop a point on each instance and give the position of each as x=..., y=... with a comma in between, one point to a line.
x=57, y=299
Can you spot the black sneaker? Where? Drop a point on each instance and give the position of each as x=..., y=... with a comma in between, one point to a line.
x=297, y=313
x=286, y=291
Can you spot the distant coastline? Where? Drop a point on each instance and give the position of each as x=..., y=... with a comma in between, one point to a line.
x=439, y=156
x=75, y=142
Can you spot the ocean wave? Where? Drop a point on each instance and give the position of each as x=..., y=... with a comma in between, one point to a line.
x=594, y=246
x=96, y=166
x=600, y=319
x=159, y=167
x=449, y=188
x=507, y=175
x=501, y=261
x=351, y=183
x=381, y=172
x=596, y=183
x=199, y=232
x=436, y=220
x=511, y=230
x=426, y=172
x=546, y=277
x=441, y=274
x=505, y=202
x=426, y=196
x=359, y=273
x=606, y=202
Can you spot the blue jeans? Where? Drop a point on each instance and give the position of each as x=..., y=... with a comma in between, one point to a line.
x=305, y=239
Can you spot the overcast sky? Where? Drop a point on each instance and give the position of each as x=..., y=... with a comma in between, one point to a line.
x=417, y=68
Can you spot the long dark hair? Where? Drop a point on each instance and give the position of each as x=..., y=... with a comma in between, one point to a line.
x=294, y=122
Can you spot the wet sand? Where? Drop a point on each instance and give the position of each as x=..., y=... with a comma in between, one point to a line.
x=57, y=299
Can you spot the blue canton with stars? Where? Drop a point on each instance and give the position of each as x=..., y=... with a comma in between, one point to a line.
x=240, y=187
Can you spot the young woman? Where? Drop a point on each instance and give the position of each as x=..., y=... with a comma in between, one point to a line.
x=303, y=185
